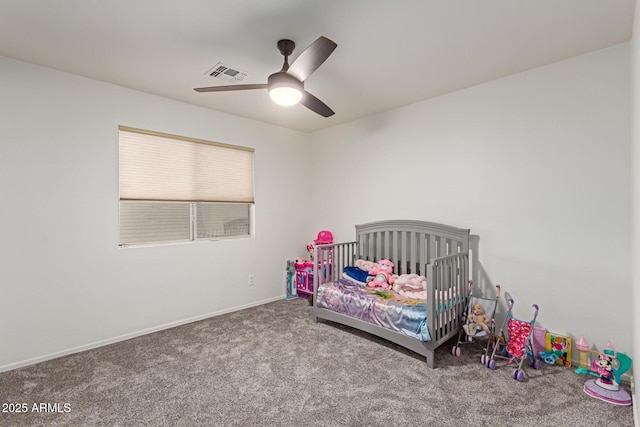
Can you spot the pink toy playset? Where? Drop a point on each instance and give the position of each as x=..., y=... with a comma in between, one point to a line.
x=304, y=268
x=609, y=365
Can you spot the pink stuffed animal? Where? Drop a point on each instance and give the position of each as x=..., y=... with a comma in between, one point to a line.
x=383, y=275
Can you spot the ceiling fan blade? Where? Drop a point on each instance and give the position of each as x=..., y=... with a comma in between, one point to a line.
x=230, y=88
x=311, y=58
x=315, y=105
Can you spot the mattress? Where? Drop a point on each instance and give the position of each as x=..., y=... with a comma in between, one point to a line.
x=375, y=306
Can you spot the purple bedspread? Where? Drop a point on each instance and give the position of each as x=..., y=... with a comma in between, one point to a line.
x=408, y=317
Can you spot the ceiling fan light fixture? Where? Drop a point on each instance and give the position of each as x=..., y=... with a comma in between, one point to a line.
x=285, y=89
x=285, y=96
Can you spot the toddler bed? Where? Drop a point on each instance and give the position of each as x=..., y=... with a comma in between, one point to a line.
x=437, y=252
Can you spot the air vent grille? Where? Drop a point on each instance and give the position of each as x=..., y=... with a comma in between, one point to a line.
x=227, y=73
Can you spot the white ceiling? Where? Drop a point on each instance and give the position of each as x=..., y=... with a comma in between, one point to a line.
x=390, y=53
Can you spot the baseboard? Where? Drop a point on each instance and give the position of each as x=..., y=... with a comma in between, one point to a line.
x=128, y=336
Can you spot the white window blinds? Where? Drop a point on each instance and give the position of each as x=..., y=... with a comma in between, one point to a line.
x=154, y=222
x=176, y=189
x=161, y=167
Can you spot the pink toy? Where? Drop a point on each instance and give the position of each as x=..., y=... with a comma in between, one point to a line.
x=607, y=387
x=324, y=237
x=304, y=268
x=383, y=275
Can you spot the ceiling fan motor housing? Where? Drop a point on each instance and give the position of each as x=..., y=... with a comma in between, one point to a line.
x=281, y=79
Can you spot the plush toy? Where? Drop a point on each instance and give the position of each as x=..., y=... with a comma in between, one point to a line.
x=382, y=275
x=478, y=320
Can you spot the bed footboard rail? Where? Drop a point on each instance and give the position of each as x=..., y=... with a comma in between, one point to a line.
x=447, y=290
x=330, y=260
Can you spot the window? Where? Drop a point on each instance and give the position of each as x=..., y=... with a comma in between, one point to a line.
x=176, y=189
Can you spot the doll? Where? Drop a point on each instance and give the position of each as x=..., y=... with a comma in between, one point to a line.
x=478, y=320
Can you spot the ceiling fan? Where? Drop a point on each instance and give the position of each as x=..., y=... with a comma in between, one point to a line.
x=286, y=87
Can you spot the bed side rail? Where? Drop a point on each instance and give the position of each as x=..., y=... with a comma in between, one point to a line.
x=330, y=260
x=448, y=281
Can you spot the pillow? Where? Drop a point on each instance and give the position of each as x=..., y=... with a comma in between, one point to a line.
x=366, y=265
x=357, y=274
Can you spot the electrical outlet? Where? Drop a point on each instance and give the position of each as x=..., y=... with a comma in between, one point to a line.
x=252, y=280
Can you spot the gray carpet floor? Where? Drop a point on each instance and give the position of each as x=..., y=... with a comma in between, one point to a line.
x=272, y=366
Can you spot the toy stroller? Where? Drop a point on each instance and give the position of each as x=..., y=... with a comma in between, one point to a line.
x=516, y=344
x=478, y=324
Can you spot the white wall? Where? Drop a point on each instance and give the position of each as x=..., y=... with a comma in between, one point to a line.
x=64, y=283
x=535, y=164
x=635, y=123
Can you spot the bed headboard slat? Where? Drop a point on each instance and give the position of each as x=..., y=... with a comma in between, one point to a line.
x=409, y=244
